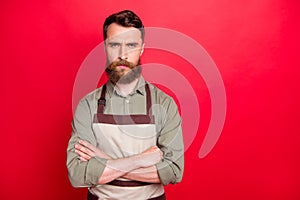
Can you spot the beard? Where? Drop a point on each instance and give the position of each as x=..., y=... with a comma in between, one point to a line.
x=119, y=75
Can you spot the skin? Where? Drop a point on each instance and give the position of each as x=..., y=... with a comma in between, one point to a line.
x=124, y=43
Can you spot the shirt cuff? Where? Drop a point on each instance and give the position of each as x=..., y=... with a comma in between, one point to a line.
x=165, y=173
x=94, y=170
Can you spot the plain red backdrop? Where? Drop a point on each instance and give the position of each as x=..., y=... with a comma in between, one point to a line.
x=255, y=45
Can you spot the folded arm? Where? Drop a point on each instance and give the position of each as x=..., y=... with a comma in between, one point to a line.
x=140, y=167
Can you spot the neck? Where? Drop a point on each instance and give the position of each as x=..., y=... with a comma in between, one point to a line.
x=126, y=89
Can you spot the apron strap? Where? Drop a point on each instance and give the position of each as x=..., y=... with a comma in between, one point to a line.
x=102, y=100
x=148, y=99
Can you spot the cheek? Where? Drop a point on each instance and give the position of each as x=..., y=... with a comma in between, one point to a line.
x=135, y=56
x=111, y=55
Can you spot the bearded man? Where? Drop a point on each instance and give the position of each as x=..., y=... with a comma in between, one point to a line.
x=126, y=140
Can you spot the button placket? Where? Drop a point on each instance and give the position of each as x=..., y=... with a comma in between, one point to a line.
x=126, y=105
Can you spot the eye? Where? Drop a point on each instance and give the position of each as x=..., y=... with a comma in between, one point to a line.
x=114, y=44
x=132, y=45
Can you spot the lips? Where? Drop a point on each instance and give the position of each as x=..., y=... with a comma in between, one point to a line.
x=123, y=67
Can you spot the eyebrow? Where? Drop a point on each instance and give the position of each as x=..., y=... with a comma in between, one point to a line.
x=129, y=42
x=132, y=43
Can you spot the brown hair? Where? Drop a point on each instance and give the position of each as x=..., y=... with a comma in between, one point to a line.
x=125, y=18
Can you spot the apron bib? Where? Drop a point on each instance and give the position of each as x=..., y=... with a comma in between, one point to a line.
x=121, y=136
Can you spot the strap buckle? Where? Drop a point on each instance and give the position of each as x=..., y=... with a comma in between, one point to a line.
x=102, y=101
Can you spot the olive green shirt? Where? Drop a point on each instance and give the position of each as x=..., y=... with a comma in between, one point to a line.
x=168, y=127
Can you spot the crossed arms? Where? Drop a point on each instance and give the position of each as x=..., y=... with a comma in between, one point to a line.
x=140, y=167
x=88, y=166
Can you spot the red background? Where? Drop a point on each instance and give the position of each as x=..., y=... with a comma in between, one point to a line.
x=255, y=45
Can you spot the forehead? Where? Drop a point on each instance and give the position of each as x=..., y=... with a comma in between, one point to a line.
x=116, y=31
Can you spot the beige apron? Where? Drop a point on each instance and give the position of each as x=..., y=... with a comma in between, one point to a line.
x=121, y=136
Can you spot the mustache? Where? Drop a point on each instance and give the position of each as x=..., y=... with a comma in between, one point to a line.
x=114, y=64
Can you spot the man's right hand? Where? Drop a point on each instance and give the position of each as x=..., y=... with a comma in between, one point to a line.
x=86, y=151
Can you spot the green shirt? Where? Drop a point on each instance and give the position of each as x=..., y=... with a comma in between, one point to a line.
x=168, y=127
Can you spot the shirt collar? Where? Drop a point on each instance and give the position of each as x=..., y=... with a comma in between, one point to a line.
x=139, y=88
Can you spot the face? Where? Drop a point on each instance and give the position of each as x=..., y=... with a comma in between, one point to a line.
x=123, y=47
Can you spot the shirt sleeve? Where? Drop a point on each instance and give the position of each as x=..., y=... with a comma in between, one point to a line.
x=170, y=141
x=83, y=173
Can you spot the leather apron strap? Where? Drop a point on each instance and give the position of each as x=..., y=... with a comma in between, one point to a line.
x=102, y=100
x=137, y=120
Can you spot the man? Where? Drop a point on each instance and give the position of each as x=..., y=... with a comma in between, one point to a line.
x=126, y=141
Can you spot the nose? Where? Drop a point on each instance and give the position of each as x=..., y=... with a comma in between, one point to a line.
x=123, y=53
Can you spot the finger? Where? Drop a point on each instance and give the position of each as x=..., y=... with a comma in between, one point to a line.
x=154, y=148
x=82, y=155
x=150, y=149
x=88, y=145
x=83, y=159
x=94, y=151
x=161, y=152
x=84, y=149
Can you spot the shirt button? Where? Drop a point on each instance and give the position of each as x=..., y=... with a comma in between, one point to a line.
x=127, y=101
